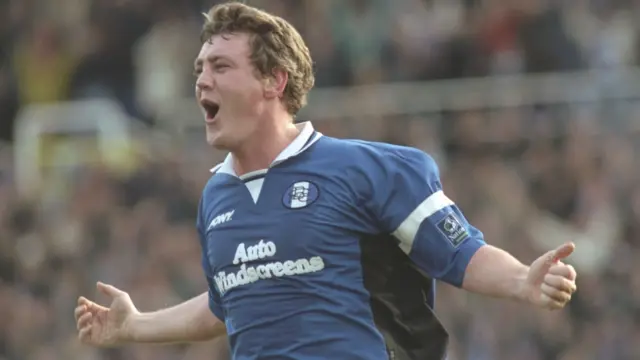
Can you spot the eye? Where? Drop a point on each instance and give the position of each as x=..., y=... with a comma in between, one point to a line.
x=219, y=67
x=197, y=72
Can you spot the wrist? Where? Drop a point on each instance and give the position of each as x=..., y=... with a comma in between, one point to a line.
x=522, y=288
x=130, y=326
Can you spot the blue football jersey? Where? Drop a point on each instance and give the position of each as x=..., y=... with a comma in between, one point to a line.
x=282, y=247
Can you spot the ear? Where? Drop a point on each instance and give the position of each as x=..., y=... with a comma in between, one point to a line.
x=275, y=85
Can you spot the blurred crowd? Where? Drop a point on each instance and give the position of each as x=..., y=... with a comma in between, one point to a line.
x=139, y=52
x=529, y=177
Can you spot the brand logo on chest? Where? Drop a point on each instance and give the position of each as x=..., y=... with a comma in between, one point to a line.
x=221, y=219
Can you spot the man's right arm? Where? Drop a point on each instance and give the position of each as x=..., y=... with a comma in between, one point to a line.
x=189, y=321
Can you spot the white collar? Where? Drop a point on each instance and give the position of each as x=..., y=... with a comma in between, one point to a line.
x=307, y=137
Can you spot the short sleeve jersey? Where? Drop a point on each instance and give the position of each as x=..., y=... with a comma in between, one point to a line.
x=281, y=248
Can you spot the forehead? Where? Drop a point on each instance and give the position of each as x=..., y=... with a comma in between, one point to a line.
x=227, y=45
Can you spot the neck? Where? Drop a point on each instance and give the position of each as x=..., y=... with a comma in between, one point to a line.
x=263, y=148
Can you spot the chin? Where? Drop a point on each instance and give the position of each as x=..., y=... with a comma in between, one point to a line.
x=217, y=142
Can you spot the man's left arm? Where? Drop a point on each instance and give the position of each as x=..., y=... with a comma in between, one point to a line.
x=547, y=283
x=433, y=232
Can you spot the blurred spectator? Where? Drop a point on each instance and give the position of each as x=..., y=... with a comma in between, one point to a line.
x=363, y=34
x=544, y=41
x=43, y=66
x=106, y=68
x=8, y=103
x=162, y=56
x=8, y=92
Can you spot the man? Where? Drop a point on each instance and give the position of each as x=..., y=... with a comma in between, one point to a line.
x=315, y=247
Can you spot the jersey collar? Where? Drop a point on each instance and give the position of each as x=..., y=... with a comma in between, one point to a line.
x=307, y=137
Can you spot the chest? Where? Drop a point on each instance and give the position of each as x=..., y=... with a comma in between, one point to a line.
x=283, y=217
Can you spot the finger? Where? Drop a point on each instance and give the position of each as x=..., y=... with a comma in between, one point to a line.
x=79, y=311
x=573, y=274
x=109, y=290
x=85, y=334
x=551, y=304
x=560, y=282
x=90, y=305
x=566, y=271
x=95, y=308
x=84, y=321
x=554, y=294
x=83, y=300
x=563, y=251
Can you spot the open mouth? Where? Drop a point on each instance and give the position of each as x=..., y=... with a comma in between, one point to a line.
x=211, y=109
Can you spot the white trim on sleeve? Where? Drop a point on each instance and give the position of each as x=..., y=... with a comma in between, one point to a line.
x=408, y=229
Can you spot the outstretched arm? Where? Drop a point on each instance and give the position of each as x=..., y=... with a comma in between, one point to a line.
x=122, y=323
x=547, y=283
x=409, y=202
x=187, y=322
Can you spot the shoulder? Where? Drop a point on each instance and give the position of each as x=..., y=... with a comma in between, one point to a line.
x=216, y=181
x=376, y=157
x=367, y=168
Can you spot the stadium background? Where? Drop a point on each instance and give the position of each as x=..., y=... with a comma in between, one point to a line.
x=531, y=109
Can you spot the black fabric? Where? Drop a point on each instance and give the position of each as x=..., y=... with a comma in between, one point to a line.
x=399, y=293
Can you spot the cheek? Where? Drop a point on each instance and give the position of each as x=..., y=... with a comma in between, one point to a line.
x=246, y=86
x=241, y=94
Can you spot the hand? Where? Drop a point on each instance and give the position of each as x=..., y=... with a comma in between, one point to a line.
x=550, y=283
x=101, y=326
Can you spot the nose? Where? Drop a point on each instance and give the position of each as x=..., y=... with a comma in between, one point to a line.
x=204, y=82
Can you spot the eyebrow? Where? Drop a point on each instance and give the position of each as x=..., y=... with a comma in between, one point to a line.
x=210, y=59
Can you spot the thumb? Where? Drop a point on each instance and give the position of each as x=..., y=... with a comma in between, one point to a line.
x=542, y=265
x=562, y=252
x=108, y=290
